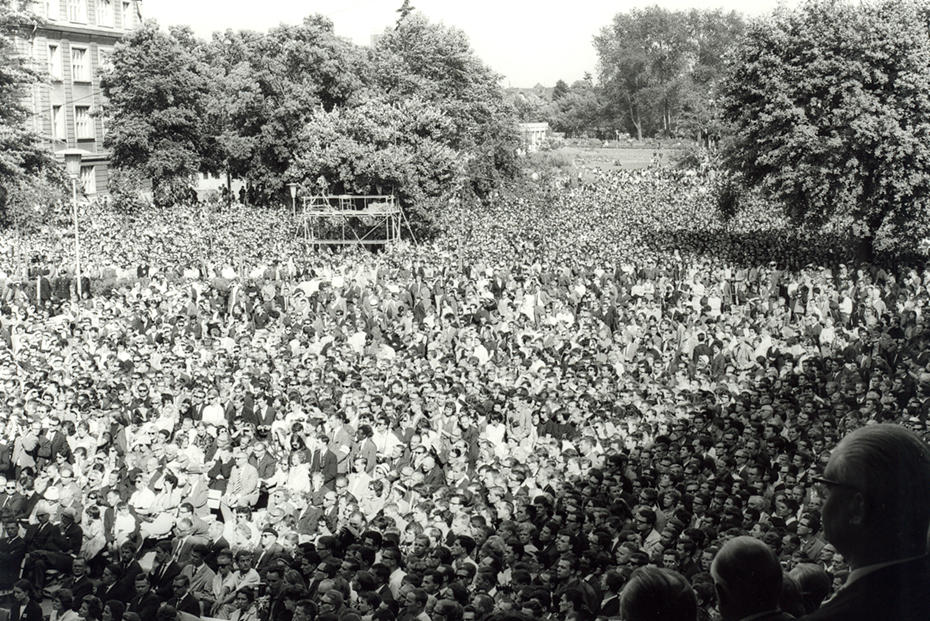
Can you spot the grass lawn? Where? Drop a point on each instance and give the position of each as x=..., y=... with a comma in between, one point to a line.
x=612, y=158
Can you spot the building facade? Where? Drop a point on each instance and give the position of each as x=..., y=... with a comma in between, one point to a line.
x=532, y=135
x=71, y=45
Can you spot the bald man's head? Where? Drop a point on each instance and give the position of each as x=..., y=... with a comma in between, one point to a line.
x=747, y=577
x=876, y=490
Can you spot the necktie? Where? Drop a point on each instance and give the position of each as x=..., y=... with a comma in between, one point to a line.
x=177, y=552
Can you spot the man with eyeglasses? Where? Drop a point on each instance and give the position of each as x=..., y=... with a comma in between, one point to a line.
x=11, y=500
x=223, y=587
x=876, y=513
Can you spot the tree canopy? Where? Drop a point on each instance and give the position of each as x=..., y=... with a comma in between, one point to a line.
x=22, y=160
x=658, y=68
x=431, y=119
x=829, y=108
x=156, y=107
x=418, y=112
x=266, y=87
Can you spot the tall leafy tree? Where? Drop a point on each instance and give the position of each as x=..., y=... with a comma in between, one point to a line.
x=157, y=108
x=267, y=87
x=659, y=68
x=712, y=34
x=21, y=158
x=380, y=147
x=643, y=57
x=560, y=90
x=830, y=112
x=436, y=64
x=579, y=110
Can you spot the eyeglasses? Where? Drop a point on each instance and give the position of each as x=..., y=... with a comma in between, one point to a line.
x=823, y=485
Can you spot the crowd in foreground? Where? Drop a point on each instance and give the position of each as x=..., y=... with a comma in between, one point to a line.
x=568, y=395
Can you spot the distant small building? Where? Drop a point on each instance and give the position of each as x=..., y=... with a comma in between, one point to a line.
x=532, y=135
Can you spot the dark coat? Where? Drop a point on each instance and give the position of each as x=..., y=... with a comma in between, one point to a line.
x=32, y=612
x=118, y=590
x=12, y=552
x=188, y=604
x=162, y=579
x=900, y=592
x=12, y=503
x=79, y=587
x=72, y=536
x=328, y=464
x=44, y=537
x=146, y=606
x=48, y=449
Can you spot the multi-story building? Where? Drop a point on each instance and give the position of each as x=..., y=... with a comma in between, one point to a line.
x=71, y=45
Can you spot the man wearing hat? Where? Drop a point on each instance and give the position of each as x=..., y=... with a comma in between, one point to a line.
x=42, y=540
x=268, y=550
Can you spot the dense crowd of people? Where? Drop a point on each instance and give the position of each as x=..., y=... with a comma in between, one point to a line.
x=565, y=394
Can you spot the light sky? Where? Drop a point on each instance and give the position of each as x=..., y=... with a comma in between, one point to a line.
x=528, y=42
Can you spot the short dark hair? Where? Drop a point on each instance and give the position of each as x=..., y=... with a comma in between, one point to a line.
x=658, y=593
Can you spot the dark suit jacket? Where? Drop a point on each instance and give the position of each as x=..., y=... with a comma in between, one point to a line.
x=12, y=552
x=72, y=536
x=79, y=588
x=49, y=448
x=129, y=572
x=32, y=612
x=610, y=607
x=30, y=503
x=146, y=606
x=12, y=503
x=118, y=590
x=213, y=551
x=161, y=579
x=44, y=537
x=328, y=464
x=308, y=522
x=265, y=558
x=188, y=604
x=900, y=592
x=266, y=467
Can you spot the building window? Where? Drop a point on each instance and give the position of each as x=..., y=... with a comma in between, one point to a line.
x=105, y=13
x=128, y=16
x=53, y=9
x=58, y=123
x=88, y=180
x=83, y=124
x=79, y=69
x=54, y=62
x=77, y=11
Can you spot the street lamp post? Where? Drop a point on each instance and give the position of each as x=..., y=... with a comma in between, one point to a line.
x=73, y=166
x=293, y=188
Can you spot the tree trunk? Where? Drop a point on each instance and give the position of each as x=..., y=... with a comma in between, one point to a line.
x=634, y=117
x=865, y=248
